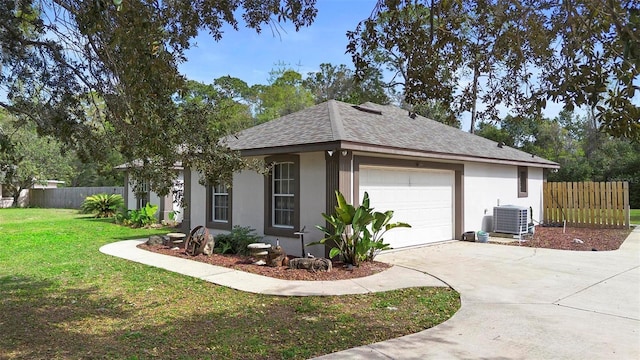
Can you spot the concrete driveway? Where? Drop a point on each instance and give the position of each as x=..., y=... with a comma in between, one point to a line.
x=524, y=303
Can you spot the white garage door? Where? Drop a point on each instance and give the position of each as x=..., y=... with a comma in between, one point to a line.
x=421, y=198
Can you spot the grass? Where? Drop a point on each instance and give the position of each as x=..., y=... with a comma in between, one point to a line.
x=635, y=216
x=60, y=298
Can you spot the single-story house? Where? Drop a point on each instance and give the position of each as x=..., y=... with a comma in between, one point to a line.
x=441, y=180
x=171, y=203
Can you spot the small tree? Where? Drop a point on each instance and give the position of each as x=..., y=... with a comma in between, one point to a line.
x=357, y=232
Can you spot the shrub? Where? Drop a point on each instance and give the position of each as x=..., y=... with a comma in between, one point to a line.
x=236, y=241
x=122, y=216
x=137, y=218
x=357, y=232
x=144, y=216
x=103, y=205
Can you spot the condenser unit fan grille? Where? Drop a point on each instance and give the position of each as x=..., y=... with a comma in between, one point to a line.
x=510, y=219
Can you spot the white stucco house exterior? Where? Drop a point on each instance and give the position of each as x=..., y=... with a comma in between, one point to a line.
x=166, y=204
x=441, y=180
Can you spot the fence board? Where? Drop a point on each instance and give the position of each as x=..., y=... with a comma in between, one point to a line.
x=620, y=202
x=68, y=198
x=608, y=209
x=603, y=202
x=568, y=204
x=580, y=205
x=614, y=204
x=627, y=205
x=587, y=204
x=596, y=193
x=592, y=207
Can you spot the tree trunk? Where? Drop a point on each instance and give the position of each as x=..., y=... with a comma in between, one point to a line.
x=474, y=111
x=16, y=198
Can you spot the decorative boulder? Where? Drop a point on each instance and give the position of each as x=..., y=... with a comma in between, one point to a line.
x=155, y=240
x=313, y=264
x=276, y=256
x=203, y=246
x=208, y=247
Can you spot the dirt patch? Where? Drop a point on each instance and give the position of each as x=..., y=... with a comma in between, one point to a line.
x=245, y=263
x=578, y=239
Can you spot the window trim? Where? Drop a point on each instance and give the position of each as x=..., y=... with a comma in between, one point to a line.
x=289, y=194
x=269, y=211
x=142, y=201
x=523, y=170
x=219, y=224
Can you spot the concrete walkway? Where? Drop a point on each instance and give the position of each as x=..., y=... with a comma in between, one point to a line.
x=517, y=302
x=397, y=277
x=524, y=303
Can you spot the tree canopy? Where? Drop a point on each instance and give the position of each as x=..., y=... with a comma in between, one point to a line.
x=285, y=94
x=340, y=83
x=29, y=159
x=583, y=152
x=119, y=59
x=510, y=53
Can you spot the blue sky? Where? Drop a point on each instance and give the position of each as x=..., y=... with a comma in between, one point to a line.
x=250, y=56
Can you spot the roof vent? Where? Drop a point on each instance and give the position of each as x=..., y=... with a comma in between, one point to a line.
x=500, y=144
x=371, y=111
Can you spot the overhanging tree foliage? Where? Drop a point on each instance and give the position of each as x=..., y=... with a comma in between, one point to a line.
x=517, y=54
x=60, y=57
x=218, y=115
x=417, y=45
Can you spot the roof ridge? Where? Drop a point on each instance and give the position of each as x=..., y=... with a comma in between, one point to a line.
x=335, y=119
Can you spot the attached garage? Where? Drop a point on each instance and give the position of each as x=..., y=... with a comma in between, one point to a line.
x=424, y=198
x=435, y=177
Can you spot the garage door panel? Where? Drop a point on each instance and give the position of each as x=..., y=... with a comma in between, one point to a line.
x=422, y=198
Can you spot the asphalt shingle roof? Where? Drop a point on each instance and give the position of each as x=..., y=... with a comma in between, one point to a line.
x=375, y=126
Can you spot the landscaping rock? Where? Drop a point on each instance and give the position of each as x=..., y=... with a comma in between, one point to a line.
x=315, y=264
x=208, y=247
x=155, y=240
x=276, y=256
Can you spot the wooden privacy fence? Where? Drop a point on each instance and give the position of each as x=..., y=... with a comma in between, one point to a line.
x=587, y=204
x=69, y=197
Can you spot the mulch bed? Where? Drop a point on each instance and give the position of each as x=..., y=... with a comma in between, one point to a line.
x=245, y=263
x=578, y=239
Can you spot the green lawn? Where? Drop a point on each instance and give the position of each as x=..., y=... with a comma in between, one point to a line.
x=635, y=216
x=60, y=298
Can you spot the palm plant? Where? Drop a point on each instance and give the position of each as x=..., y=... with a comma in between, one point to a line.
x=102, y=205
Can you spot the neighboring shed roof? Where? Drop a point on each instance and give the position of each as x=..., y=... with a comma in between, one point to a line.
x=376, y=128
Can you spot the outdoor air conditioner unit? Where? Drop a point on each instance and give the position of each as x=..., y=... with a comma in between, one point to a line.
x=511, y=219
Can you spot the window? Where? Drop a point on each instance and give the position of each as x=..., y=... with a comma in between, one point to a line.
x=523, y=181
x=282, y=188
x=283, y=195
x=142, y=196
x=219, y=207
